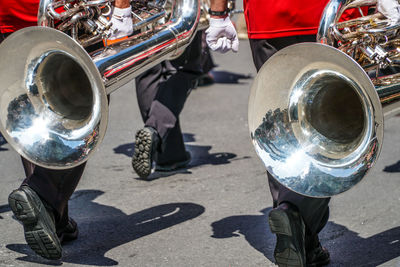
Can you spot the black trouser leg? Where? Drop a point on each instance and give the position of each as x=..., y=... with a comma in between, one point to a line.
x=158, y=107
x=147, y=85
x=174, y=147
x=162, y=92
x=263, y=49
x=314, y=211
x=53, y=186
x=161, y=102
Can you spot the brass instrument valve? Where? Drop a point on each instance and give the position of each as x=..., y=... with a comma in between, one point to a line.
x=96, y=22
x=378, y=55
x=90, y=26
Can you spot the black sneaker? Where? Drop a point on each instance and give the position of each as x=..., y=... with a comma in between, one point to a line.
x=68, y=232
x=38, y=222
x=289, y=228
x=146, y=143
x=170, y=167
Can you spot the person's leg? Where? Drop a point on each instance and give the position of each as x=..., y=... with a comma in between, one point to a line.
x=55, y=187
x=156, y=117
x=41, y=205
x=263, y=49
x=296, y=219
x=169, y=102
x=167, y=88
x=147, y=85
x=314, y=211
x=161, y=138
x=172, y=95
x=173, y=155
x=181, y=77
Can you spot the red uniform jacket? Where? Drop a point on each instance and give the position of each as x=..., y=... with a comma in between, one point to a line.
x=281, y=18
x=17, y=14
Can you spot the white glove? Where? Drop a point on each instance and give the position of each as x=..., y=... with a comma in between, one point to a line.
x=221, y=36
x=390, y=9
x=122, y=24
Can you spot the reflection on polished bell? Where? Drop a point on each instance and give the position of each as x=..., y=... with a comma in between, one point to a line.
x=315, y=119
x=53, y=108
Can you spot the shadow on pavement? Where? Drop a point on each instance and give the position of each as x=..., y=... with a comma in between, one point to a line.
x=346, y=247
x=200, y=156
x=3, y=209
x=393, y=168
x=2, y=142
x=228, y=77
x=254, y=228
x=102, y=228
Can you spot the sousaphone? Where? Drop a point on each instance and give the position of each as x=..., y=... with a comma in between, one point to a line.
x=317, y=110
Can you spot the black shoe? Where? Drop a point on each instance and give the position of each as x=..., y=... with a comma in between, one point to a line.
x=170, y=167
x=317, y=255
x=146, y=144
x=289, y=228
x=68, y=232
x=38, y=222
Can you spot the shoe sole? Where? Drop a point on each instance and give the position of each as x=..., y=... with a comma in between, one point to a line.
x=142, y=159
x=285, y=253
x=38, y=233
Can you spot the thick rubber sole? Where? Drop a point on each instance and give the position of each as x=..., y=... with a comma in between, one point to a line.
x=142, y=158
x=286, y=254
x=39, y=233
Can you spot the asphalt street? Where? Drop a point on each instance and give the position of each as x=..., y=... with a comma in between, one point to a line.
x=214, y=213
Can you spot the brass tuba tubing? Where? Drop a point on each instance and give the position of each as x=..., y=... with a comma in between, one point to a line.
x=387, y=86
x=129, y=62
x=131, y=57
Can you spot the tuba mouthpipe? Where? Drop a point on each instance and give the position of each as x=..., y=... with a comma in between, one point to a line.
x=128, y=60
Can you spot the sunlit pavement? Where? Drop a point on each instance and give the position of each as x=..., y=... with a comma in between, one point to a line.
x=214, y=213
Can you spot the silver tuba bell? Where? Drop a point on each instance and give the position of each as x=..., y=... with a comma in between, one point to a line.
x=316, y=110
x=55, y=78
